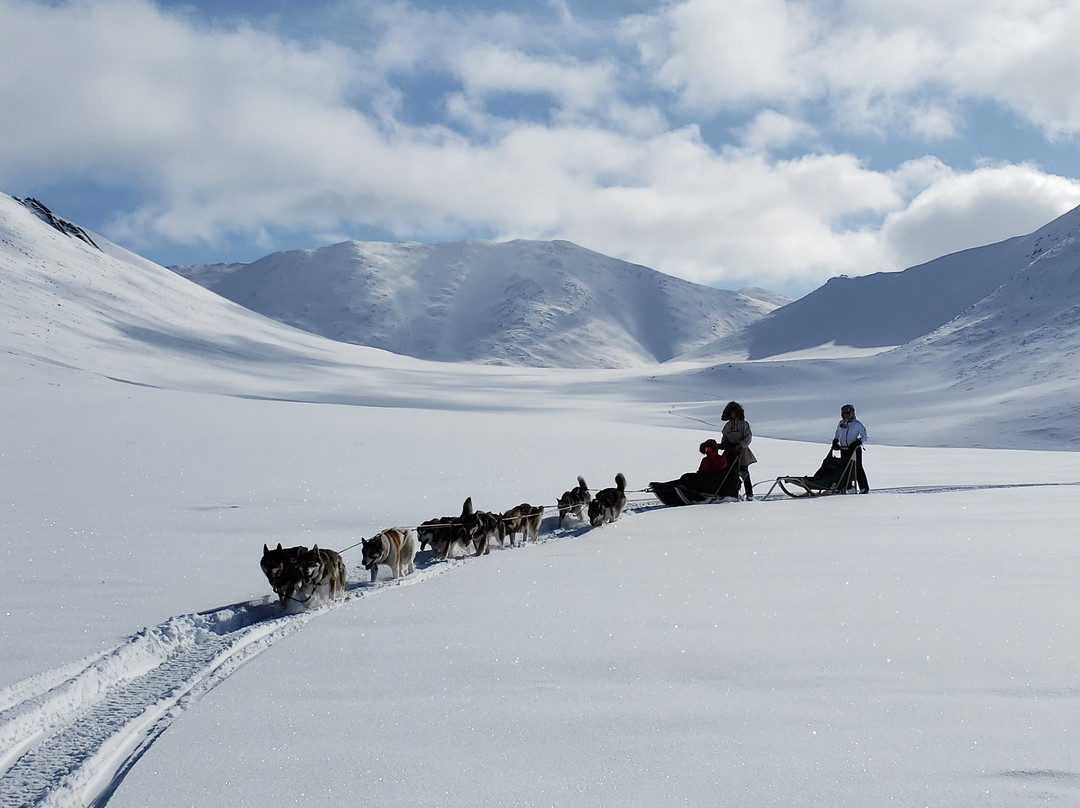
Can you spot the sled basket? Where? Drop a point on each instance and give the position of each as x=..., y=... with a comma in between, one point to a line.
x=695, y=487
x=835, y=476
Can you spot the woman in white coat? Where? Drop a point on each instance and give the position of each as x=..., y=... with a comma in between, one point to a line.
x=849, y=439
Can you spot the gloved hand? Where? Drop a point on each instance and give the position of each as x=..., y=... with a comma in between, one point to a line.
x=836, y=444
x=855, y=444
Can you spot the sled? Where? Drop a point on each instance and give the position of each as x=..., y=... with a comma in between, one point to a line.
x=835, y=476
x=696, y=487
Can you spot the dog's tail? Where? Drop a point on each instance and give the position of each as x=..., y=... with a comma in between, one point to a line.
x=620, y=482
x=581, y=483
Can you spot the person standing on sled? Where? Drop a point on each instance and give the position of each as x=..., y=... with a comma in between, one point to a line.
x=737, y=437
x=849, y=440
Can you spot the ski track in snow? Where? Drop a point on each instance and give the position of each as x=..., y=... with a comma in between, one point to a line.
x=69, y=736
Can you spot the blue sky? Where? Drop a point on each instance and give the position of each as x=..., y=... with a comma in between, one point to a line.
x=773, y=143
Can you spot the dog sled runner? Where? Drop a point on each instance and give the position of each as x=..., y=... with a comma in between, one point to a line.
x=695, y=487
x=835, y=476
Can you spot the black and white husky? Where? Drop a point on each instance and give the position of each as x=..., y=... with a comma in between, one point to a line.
x=480, y=527
x=395, y=547
x=573, y=502
x=282, y=568
x=609, y=503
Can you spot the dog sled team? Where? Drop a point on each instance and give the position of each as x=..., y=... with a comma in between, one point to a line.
x=297, y=574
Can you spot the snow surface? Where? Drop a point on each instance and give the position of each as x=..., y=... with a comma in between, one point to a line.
x=911, y=647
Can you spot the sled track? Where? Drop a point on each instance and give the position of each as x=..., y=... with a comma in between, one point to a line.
x=69, y=737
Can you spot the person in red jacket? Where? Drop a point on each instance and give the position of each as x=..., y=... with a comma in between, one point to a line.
x=713, y=460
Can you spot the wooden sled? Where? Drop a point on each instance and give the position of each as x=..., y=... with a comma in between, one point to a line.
x=835, y=476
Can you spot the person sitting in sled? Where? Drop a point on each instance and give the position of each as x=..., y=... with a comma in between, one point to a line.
x=713, y=460
x=849, y=440
x=714, y=480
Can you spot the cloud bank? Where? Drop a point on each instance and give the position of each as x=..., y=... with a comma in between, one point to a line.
x=748, y=142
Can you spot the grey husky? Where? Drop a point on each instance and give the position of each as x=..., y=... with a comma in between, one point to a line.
x=316, y=568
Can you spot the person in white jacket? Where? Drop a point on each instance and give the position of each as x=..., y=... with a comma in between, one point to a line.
x=849, y=440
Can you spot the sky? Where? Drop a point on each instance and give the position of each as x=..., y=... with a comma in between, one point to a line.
x=745, y=143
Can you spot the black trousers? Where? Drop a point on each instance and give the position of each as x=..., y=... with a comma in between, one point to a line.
x=748, y=487
x=860, y=472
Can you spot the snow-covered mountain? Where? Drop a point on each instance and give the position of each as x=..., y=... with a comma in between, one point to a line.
x=86, y=304
x=888, y=309
x=1003, y=372
x=528, y=303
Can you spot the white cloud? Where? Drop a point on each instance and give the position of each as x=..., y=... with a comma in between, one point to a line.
x=962, y=210
x=222, y=132
x=880, y=66
x=731, y=53
x=773, y=130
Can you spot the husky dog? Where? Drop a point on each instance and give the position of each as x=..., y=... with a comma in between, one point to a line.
x=480, y=527
x=609, y=503
x=574, y=501
x=442, y=535
x=281, y=566
x=524, y=519
x=395, y=547
x=291, y=585
x=318, y=568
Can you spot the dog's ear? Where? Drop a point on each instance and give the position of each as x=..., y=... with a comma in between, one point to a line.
x=265, y=549
x=279, y=546
x=315, y=549
x=467, y=507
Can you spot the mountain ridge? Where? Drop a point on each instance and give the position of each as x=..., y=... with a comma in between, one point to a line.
x=521, y=302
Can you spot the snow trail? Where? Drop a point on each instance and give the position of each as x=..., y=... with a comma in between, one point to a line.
x=68, y=737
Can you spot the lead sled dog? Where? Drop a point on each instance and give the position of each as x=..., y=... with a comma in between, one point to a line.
x=297, y=573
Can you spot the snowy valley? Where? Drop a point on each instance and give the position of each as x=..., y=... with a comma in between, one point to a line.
x=912, y=647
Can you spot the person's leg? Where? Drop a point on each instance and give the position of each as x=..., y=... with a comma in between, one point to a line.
x=748, y=487
x=860, y=472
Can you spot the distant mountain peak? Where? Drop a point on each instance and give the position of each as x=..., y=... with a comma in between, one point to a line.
x=520, y=302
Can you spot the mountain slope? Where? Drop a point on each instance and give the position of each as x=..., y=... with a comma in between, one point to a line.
x=887, y=309
x=88, y=304
x=530, y=303
x=1023, y=336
